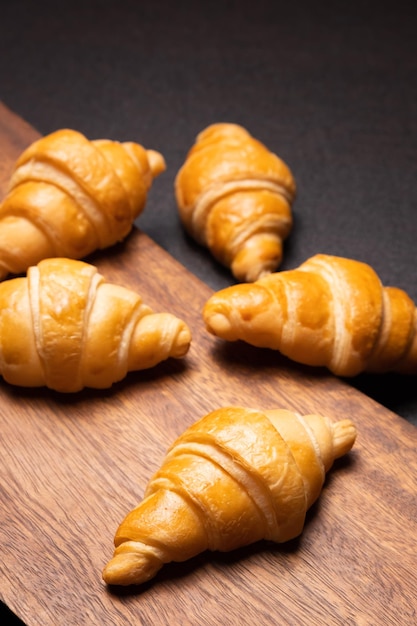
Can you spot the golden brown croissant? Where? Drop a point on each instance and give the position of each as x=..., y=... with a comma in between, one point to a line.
x=69, y=196
x=63, y=326
x=330, y=311
x=234, y=196
x=235, y=477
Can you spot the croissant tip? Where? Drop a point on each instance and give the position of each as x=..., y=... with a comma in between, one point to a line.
x=344, y=436
x=156, y=162
x=183, y=342
x=117, y=577
x=130, y=569
x=217, y=323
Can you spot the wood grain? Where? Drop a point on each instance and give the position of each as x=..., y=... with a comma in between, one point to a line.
x=72, y=467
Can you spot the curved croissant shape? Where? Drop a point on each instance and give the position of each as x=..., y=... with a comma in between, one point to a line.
x=64, y=327
x=235, y=477
x=330, y=311
x=234, y=197
x=69, y=196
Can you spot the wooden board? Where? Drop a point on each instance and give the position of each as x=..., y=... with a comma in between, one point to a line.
x=72, y=467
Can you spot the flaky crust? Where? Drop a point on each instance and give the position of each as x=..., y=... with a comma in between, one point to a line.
x=234, y=477
x=69, y=196
x=330, y=311
x=234, y=196
x=64, y=327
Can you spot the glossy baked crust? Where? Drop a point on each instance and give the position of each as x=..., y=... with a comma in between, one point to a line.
x=234, y=196
x=236, y=476
x=330, y=311
x=65, y=327
x=69, y=196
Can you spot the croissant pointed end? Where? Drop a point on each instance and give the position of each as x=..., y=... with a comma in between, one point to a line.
x=240, y=312
x=217, y=310
x=344, y=435
x=259, y=256
x=217, y=323
x=156, y=338
x=131, y=569
x=182, y=342
x=156, y=162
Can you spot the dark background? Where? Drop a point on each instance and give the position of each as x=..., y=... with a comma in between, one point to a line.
x=331, y=87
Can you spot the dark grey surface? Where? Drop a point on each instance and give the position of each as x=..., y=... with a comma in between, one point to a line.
x=330, y=87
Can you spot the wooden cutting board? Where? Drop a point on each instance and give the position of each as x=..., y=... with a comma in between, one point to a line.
x=72, y=467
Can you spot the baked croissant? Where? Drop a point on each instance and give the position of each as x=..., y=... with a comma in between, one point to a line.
x=234, y=197
x=64, y=327
x=69, y=196
x=235, y=477
x=330, y=311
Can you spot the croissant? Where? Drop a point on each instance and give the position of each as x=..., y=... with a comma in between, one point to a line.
x=64, y=327
x=330, y=311
x=234, y=197
x=69, y=196
x=236, y=476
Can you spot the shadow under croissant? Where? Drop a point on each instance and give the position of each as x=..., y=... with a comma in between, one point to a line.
x=250, y=358
x=394, y=391
x=390, y=389
x=173, y=572
x=166, y=369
